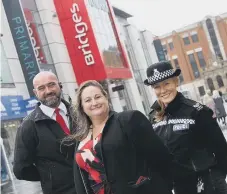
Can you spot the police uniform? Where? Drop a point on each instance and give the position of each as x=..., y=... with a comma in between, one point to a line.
x=194, y=139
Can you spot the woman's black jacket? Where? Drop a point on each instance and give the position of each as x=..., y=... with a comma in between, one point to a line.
x=130, y=149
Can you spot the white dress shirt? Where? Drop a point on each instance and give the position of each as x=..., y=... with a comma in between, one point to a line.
x=50, y=112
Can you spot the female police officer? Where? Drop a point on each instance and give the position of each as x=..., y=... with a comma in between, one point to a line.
x=193, y=137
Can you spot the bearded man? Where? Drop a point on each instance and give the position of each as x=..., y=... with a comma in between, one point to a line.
x=40, y=154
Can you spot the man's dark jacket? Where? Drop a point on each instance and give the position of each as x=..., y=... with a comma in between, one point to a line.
x=40, y=155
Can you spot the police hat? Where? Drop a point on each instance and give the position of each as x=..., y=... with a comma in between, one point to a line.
x=159, y=72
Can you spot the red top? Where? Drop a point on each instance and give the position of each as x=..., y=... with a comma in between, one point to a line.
x=88, y=160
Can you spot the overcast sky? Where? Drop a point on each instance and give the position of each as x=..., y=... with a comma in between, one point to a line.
x=164, y=16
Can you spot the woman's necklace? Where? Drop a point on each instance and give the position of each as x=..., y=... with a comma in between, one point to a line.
x=94, y=137
x=99, y=129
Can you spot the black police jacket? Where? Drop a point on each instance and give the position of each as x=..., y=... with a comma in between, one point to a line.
x=192, y=136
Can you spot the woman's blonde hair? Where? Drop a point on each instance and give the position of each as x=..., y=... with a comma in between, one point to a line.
x=81, y=121
x=159, y=114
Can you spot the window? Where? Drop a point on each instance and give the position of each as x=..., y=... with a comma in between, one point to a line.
x=186, y=40
x=171, y=47
x=214, y=39
x=104, y=33
x=194, y=65
x=159, y=50
x=209, y=24
x=195, y=38
x=210, y=84
x=177, y=66
x=220, y=81
x=201, y=91
x=201, y=59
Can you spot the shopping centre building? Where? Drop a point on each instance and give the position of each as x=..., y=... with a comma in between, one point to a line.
x=79, y=40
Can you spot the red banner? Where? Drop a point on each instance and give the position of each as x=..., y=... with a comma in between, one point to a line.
x=81, y=43
x=36, y=43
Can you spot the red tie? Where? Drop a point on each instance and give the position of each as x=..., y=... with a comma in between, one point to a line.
x=61, y=121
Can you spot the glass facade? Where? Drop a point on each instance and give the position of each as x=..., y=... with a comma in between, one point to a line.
x=177, y=66
x=201, y=59
x=37, y=35
x=104, y=33
x=194, y=65
x=214, y=39
x=145, y=49
x=136, y=70
x=159, y=50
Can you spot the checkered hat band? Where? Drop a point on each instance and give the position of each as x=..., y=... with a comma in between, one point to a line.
x=160, y=75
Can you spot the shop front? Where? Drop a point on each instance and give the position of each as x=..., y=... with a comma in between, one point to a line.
x=13, y=110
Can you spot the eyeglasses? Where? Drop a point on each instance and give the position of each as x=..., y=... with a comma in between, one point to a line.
x=43, y=87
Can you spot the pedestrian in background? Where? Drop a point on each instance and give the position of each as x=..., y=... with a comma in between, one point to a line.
x=191, y=134
x=117, y=153
x=225, y=104
x=219, y=106
x=39, y=153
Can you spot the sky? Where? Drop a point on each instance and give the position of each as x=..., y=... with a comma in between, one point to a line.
x=164, y=16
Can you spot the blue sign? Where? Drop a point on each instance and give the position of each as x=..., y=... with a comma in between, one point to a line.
x=30, y=104
x=14, y=107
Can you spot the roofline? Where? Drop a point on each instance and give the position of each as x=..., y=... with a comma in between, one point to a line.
x=121, y=13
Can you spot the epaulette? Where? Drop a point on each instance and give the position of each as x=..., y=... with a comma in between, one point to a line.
x=196, y=105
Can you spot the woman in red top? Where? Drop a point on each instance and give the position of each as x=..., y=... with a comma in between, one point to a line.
x=88, y=160
x=117, y=153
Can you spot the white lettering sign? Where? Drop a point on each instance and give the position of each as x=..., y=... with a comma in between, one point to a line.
x=81, y=35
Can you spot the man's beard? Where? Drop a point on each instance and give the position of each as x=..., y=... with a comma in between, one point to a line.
x=53, y=102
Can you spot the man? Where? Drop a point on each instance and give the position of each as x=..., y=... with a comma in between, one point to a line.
x=40, y=154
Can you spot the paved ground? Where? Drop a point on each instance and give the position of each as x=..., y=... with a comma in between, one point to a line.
x=21, y=187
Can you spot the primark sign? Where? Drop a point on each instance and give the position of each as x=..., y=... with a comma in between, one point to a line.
x=22, y=41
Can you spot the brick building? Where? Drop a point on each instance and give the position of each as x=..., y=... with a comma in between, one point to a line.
x=195, y=49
